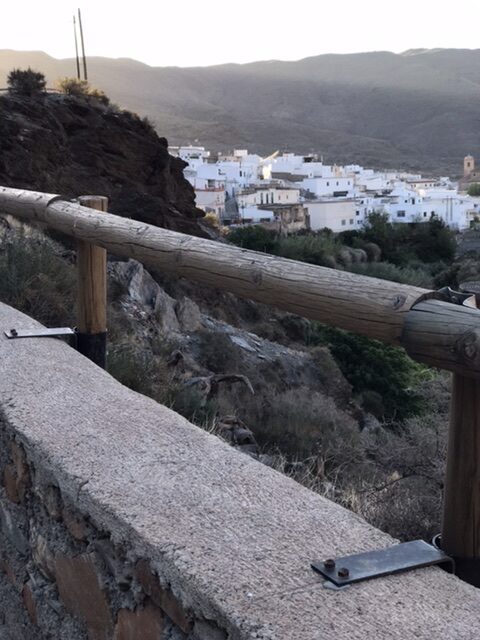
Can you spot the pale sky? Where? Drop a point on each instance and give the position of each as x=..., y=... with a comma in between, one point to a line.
x=205, y=32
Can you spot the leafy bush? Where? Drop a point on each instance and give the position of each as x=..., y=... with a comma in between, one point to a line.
x=254, y=237
x=315, y=248
x=319, y=248
x=400, y=244
x=369, y=365
x=474, y=189
x=26, y=82
x=419, y=277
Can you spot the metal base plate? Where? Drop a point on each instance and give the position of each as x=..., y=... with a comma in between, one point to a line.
x=13, y=334
x=382, y=562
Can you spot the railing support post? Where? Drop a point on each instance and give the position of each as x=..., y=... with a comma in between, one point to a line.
x=92, y=292
x=461, y=511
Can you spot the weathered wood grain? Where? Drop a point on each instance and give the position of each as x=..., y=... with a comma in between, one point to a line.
x=92, y=277
x=444, y=335
x=461, y=515
x=437, y=333
x=372, y=307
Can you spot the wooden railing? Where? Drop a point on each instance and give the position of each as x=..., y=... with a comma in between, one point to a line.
x=439, y=330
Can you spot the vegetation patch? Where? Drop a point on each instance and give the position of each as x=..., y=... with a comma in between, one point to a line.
x=36, y=279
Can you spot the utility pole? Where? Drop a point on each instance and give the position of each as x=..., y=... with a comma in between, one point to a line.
x=85, y=77
x=76, y=47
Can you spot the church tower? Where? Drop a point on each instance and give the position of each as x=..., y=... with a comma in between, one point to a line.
x=468, y=166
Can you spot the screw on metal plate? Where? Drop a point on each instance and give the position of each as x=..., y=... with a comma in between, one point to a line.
x=61, y=332
x=382, y=562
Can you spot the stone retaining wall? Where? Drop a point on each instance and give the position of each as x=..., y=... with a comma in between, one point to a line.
x=120, y=520
x=65, y=578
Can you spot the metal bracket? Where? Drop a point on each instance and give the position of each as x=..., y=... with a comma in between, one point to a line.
x=382, y=562
x=446, y=294
x=15, y=334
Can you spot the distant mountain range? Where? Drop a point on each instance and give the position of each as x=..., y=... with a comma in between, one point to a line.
x=418, y=110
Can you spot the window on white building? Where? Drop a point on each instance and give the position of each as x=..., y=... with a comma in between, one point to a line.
x=344, y=222
x=351, y=220
x=400, y=214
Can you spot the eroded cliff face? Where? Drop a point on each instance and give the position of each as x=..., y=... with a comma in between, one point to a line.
x=76, y=146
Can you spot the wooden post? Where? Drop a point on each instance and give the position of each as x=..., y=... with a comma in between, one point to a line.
x=461, y=511
x=92, y=292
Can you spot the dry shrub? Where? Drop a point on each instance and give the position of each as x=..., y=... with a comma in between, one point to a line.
x=300, y=422
x=35, y=279
x=394, y=479
x=217, y=352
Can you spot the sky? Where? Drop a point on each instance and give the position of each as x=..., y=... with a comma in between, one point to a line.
x=205, y=32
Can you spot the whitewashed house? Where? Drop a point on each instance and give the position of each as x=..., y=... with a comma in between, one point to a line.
x=268, y=194
x=337, y=214
x=329, y=186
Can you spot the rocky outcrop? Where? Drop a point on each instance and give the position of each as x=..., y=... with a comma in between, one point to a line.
x=226, y=377
x=76, y=146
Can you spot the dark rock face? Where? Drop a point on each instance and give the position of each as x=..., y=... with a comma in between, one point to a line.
x=76, y=146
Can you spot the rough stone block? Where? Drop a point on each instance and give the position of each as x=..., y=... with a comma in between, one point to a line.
x=21, y=469
x=76, y=524
x=188, y=314
x=80, y=591
x=164, y=598
x=7, y=569
x=43, y=557
x=10, y=483
x=204, y=630
x=52, y=501
x=12, y=530
x=146, y=624
x=29, y=602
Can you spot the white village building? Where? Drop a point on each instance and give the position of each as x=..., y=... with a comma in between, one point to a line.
x=243, y=186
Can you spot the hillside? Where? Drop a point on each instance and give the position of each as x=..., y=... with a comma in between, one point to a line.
x=75, y=146
x=415, y=110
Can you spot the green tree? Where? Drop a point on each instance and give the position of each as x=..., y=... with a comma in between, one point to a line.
x=403, y=244
x=26, y=82
x=371, y=366
x=474, y=189
x=254, y=237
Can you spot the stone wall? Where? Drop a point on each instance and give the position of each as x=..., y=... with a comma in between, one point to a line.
x=65, y=578
x=120, y=520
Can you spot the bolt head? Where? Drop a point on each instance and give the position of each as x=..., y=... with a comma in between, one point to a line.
x=329, y=564
x=343, y=572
